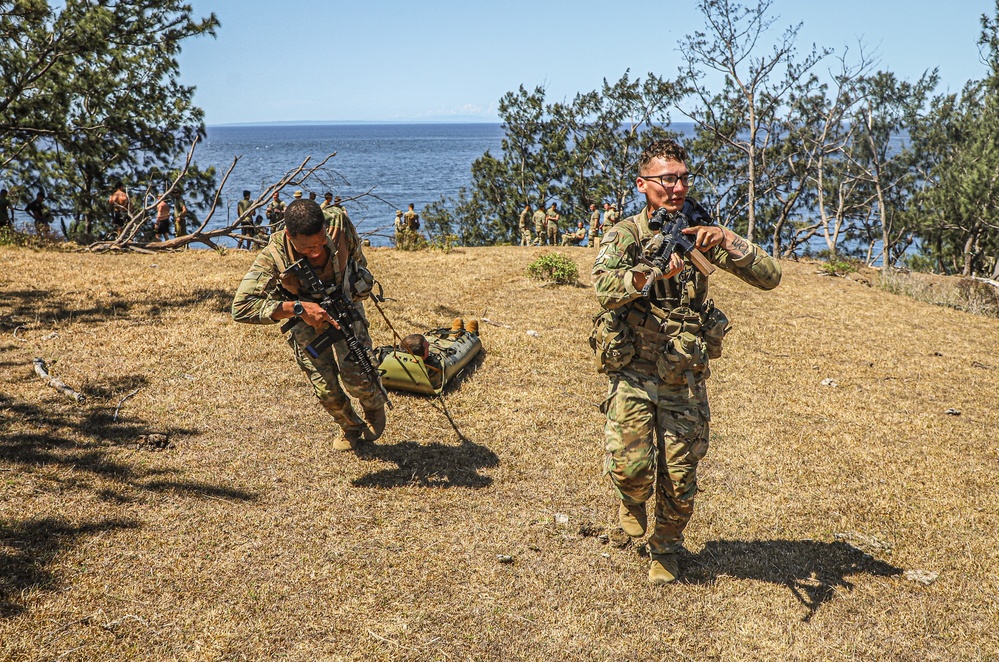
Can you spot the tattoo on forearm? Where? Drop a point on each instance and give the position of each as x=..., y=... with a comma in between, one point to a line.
x=739, y=247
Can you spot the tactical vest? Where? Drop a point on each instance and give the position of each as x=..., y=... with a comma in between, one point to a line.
x=327, y=273
x=675, y=344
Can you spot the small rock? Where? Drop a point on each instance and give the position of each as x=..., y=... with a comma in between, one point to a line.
x=924, y=577
x=953, y=412
x=503, y=558
x=561, y=519
x=51, y=336
x=937, y=354
x=605, y=555
x=153, y=266
x=829, y=381
x=154, y=441
x=533, y=333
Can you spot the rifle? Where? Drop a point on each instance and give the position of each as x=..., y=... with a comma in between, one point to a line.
x=670, y=239
x=342, y=311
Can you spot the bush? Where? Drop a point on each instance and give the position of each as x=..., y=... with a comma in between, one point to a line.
x=554, y=268
x=837, y=266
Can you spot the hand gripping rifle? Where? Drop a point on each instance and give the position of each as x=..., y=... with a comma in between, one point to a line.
x=670, y=238
x=342, y=311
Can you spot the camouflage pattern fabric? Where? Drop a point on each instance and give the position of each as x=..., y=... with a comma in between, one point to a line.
x=339, y=221
x=525, y=229
x=551, y=222
x=539, y=226
x=657, y=421
x=594, y=226
x=574, y=238
x=261, y=292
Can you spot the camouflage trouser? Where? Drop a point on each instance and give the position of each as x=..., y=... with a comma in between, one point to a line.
x=539, y=234
x=525, y=237
x=332, y=367
x=646, y=419
x=593, y=240
x=552, y=234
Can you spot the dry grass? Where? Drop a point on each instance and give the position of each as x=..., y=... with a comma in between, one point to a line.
x=966, y=294
x=249, y=540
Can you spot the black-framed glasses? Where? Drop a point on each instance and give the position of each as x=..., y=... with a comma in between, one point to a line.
x=669, y=181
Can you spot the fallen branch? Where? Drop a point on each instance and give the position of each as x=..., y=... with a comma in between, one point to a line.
x=57, y=384
x=120, y=403
x=489, y=321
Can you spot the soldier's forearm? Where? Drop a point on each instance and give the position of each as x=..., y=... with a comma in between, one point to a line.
x=735, y=245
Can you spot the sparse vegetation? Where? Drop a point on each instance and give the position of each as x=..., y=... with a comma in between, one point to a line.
x=964, y=294
x=554, y=268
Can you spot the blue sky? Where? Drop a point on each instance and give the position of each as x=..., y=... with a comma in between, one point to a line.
x=451, y=61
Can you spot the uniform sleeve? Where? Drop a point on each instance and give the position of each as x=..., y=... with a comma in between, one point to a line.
x=757, y=268
x=257, y=297
x=612, y=276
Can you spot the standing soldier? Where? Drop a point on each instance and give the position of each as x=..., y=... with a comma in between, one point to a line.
x=400, y=230
x=121, y=207
x=275, y=213
x=163, y=219
x=268, y=294
x=594, y=224
x=610, y=216
x=654, y=340
x=341, y=228
x=179, y=215
x=327, y=200
x=6, y=210
x=40, y=213
x=551, y=220
x=525, y=229
x=246, y=227
x=539, y=225
x=412, y=220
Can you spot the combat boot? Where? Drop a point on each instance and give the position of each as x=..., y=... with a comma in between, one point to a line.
x=472, y=326
x=633, y=519
x=376, y=421
x=348, y=441
x=664, y=569
x=457, y=325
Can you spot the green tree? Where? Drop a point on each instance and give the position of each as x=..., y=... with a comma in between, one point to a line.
x=90, y=93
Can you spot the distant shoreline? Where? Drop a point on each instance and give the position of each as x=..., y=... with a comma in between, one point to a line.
x=349, y=123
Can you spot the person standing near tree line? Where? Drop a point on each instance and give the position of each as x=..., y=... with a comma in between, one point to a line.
x=40, y=212
x=179, y=215
x=6, y=210
x=551, y=224
x=540, y=231
x=245, y=217
x=656, y=350
x=268, y=294
x=610, y=216
x=594, y=224
x=524, y=225
x=163, y=219
x=121, y=207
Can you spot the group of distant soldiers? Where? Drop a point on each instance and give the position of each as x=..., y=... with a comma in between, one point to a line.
x=548, y=232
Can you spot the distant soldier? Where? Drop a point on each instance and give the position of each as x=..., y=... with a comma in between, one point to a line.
x=400, y=229
x=297, y=195
x=525, y=228
x=121, y=207
x=179, y=215
x=246, y=227
x=6, y=210
x=40, y=212
x=163, y=219
x=312, y=196
x=574, y=238
x=411, y=219
x=594, y=224
x=539, y=225
x=275, y=213
x=551, y=221
x=610, y=216
x=341, y=228
x=327, y=200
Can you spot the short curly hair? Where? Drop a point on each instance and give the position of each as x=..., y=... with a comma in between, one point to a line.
x=666, y=149
x=304, y=218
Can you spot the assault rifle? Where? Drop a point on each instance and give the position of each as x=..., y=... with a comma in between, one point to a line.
x=670, y=239
x=342, y=311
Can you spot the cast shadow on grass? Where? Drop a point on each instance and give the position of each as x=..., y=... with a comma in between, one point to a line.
x=431, y=465
x=28, y=548
x=811, y=570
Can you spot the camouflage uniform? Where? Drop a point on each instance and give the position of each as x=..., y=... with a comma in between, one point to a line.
x=552, y=219
x=594, y=226
x=539, y=226
x=525, y=229
x=574, y=238
x=655, y=352
x=275, y=215
x=610, y=218
x=340, y=224
x=260, y=293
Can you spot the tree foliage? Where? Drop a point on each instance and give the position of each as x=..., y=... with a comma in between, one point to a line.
x=90, y=93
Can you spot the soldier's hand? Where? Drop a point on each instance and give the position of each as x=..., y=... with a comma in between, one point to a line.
x=708, y=236
x=315, y=316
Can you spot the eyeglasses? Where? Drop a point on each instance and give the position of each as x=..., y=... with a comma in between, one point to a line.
x=669, y=181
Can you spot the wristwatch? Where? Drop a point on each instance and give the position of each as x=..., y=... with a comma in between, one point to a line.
x=298, y=309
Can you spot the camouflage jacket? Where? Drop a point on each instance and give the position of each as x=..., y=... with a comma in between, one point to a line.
x=619, y=254
x=340, y=225
x=263, y=288
x=539, y=218
x=594, y=221
x=524, y=219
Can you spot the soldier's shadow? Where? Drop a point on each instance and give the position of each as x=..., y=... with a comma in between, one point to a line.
x=430, y=465
x=811, y=570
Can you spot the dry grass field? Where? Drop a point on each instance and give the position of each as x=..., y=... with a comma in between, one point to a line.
x=246, y=538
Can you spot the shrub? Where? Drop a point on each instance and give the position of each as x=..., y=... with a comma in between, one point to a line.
x=554, y=268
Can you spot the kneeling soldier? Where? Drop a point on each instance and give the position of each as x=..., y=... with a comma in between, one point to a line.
x=269, y=294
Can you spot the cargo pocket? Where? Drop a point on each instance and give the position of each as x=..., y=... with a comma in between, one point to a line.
x=612, y=341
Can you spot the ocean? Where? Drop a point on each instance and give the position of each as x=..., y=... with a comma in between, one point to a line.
x=399, y=163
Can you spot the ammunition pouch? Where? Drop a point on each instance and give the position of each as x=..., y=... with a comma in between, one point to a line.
x=714, y=327
x=612, y=340
x=684, y=361
x=361, y=282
